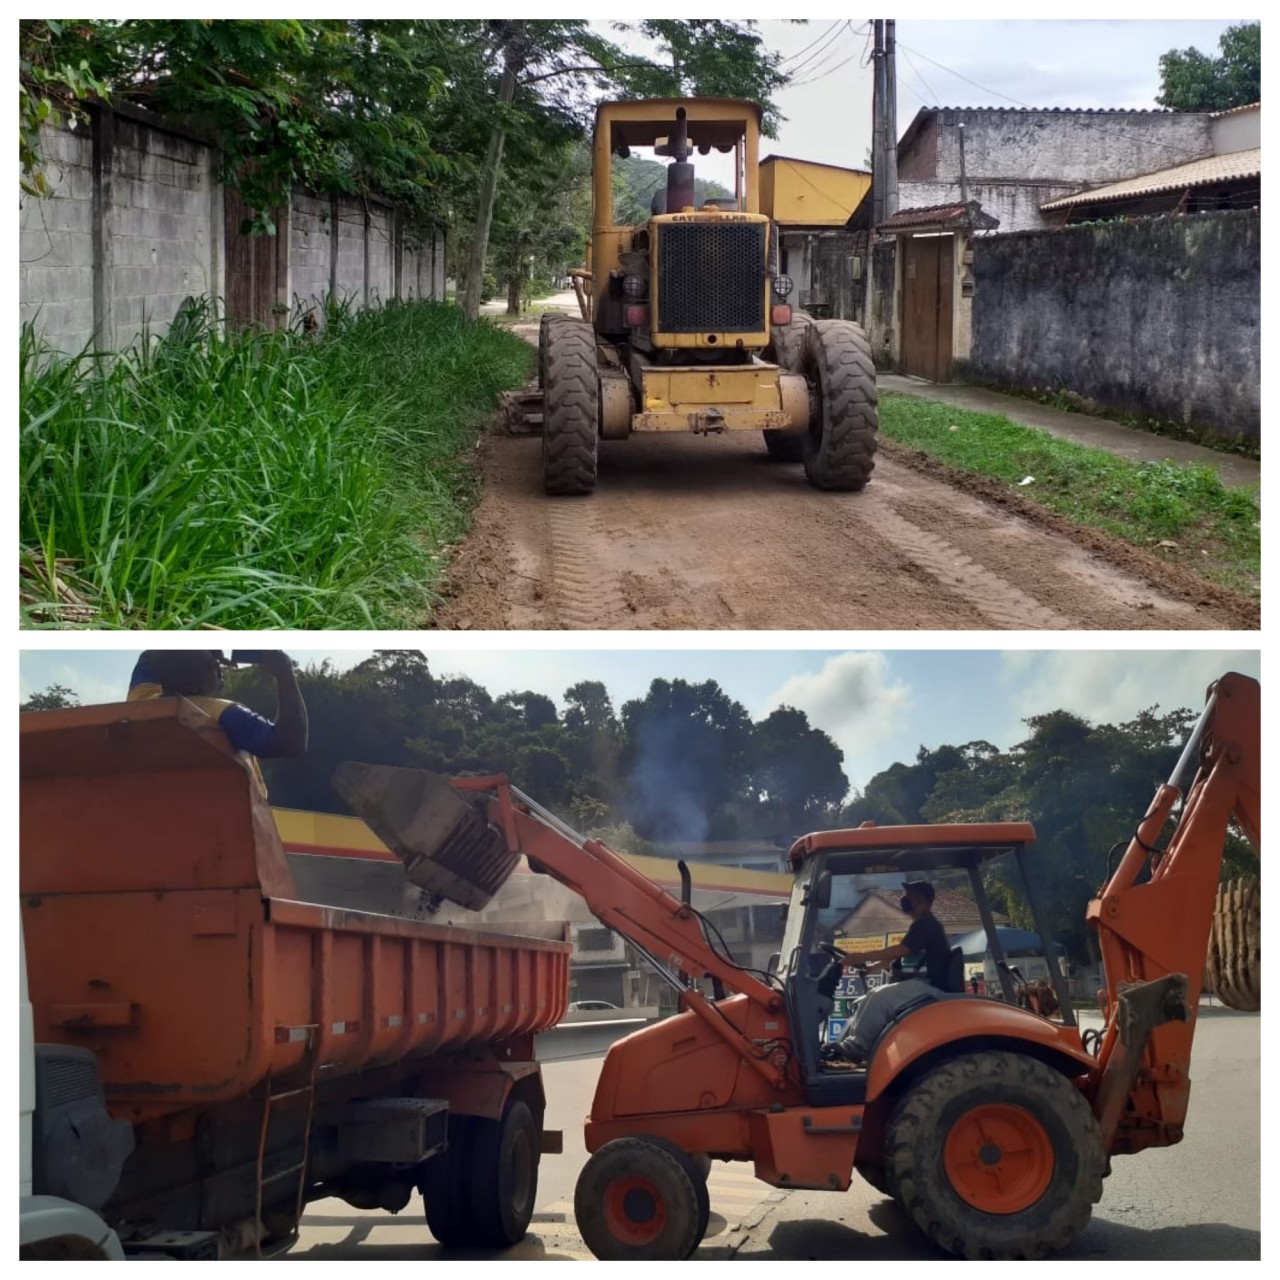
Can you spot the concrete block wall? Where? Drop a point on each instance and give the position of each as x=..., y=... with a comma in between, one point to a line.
x=56, y=244
x=164, y=234
x=349, y=281
x=310, y=247
x=382, y=257
x=136, y=224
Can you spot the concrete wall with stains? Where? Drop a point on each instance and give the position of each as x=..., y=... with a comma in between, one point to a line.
x=1158, y=317
x=135, y=223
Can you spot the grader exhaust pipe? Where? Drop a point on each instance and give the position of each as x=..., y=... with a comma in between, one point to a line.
x=445, y=840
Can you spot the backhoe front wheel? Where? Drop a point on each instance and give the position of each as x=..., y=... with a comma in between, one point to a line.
x=641, y=1199
x=839, y=449
x=995, y=1156
x=571, y=407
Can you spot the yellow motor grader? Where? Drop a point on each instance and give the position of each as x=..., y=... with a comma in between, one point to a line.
x=685, y=323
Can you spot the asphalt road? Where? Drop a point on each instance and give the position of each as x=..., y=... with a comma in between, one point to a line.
x=1198, y=1200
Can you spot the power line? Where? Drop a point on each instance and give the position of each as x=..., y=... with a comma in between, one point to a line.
x=928, y=88
x=791, y=57
x=818, y=73
x=833, y=35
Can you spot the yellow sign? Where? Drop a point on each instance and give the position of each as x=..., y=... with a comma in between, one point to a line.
x=868, y=942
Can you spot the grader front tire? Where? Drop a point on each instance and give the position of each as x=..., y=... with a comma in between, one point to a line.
x=571, y=407
x=995, y=1156
x=839, y=451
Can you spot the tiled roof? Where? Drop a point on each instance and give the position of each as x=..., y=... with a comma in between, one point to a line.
x=941, y=215
x=1232, y=167
x=1235, y=111
x=1063, y=111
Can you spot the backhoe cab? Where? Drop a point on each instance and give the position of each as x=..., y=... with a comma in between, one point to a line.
x=686, y=324
x=991, y=1125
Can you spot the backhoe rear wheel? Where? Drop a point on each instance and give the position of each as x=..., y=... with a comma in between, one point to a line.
x=995, y=1156
x=571, y=407
x=638, y=1200
x=839, y=450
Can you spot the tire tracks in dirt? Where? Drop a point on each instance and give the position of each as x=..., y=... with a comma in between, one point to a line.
x=707, y=534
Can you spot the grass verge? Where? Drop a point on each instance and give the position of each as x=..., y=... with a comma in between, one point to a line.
x=268, y=480
x=1182, y=511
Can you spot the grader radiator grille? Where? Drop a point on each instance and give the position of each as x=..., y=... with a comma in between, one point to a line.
x=711, y=277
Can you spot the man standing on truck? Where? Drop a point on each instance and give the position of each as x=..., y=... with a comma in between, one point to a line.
x=926, y=938
x=196, y=674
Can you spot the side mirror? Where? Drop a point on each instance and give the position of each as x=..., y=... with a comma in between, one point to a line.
x=822, y=890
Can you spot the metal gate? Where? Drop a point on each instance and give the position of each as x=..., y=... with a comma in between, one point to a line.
x=257, y=268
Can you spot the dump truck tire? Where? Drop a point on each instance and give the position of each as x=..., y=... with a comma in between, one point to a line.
x=637, y=1200
x=571, y=409
x=1233, y=968
x=840, y=446
x=995, y=1156
x=445, y=1187
x=504, y=1177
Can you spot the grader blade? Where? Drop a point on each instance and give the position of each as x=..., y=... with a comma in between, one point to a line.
x=445, y=841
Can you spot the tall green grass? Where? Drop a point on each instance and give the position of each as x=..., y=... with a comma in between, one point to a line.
x=267, y=480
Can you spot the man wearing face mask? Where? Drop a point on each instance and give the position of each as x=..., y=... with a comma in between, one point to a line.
x=925, y=937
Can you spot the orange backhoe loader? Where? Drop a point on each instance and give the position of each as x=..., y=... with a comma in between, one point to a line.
x=992, y=1126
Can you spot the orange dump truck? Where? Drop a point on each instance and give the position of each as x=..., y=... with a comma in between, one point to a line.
x=211, y=1053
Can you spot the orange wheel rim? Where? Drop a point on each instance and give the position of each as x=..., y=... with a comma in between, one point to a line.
x=998, y=1158
x=635, y=1209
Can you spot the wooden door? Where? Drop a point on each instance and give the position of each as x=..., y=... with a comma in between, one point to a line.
x=927, y=289
x=257, y=268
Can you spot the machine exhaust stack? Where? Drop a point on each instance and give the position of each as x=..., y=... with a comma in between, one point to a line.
x=445, y=841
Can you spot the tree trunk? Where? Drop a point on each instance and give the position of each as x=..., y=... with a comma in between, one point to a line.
x=474, y=282
x=514, y=281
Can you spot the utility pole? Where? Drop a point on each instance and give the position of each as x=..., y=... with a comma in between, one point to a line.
x=879, y=130
x=891, y=119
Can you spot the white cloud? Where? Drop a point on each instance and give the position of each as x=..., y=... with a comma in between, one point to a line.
x=1111, y=686
x=854, y=697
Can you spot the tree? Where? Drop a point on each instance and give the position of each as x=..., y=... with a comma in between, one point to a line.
x=52, y=698
x=1193, y=81
x=796, y=772
x=709, y=58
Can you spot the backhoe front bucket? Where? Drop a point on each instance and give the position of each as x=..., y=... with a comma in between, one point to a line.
x=445, y=841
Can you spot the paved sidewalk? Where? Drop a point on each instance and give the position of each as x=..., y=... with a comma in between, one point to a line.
x=1097, y=433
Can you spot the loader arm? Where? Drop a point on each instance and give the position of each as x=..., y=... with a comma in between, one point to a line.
x=664, y=928
x=460, y=839
x=1154, y=932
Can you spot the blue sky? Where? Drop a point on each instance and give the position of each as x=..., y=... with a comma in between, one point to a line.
x=878, y=705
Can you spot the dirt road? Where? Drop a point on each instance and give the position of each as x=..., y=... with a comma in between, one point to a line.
x=707, y=533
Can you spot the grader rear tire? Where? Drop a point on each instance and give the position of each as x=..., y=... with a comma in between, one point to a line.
x=571, y=408
x=636, y=1200
x=840, y=446
x=995, y=1156
x=1233, y=970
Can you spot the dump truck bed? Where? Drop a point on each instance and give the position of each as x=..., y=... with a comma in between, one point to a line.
x=164, y=931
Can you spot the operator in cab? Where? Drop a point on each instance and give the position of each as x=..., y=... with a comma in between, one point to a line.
x=926, y=938
x=196, y=674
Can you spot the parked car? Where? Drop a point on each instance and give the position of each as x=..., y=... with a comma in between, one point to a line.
x=585, y=1006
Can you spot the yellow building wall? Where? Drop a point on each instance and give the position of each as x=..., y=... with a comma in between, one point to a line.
x=799, y=193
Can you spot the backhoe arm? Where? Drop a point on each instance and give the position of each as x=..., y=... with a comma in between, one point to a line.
x=1153, y=930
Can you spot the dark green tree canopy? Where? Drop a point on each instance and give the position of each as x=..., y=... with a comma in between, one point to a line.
x=1193, y=81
